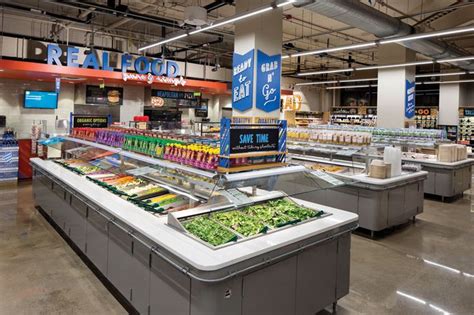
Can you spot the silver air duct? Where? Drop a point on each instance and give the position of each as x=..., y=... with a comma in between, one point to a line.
x=366, y=18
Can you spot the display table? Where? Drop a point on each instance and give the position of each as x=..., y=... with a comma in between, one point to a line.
x=159, y=270
x=380, y=203
x=445, y=179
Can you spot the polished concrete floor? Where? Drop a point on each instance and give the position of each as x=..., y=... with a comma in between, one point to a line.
x=421, y=268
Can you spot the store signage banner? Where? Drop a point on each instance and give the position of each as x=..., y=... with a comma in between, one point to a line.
x=179, y=95
x=90, y=122
x=410, y=99
x=253, y=140
x=268, y=82
x=142, y=65
x=242, y=81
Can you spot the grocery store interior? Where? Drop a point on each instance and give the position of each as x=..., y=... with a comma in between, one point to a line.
x=250, y=157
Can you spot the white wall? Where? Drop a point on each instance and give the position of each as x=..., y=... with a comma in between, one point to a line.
x=315, y=98
x=133, y=102
x=19, y=118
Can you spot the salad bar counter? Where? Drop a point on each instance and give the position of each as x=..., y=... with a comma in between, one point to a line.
x=174, y=240
x=380, y=203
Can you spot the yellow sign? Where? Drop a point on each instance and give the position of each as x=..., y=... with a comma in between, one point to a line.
x=293, y=102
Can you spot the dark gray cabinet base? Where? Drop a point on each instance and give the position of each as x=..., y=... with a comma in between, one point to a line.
x=312, y=277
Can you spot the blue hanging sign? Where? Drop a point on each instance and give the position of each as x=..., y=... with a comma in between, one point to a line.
x=242, y=81
x=268, y=81
x=410, y=99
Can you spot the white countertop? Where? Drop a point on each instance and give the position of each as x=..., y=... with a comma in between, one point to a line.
x=364, y=178
x=194, y=253
x=439, y=163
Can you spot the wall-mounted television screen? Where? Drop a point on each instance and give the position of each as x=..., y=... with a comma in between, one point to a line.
x=41, y=99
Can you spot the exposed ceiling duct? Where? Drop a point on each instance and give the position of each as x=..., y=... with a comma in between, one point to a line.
x=366, y=18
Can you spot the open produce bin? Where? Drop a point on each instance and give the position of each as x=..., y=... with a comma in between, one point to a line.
x=223, y=226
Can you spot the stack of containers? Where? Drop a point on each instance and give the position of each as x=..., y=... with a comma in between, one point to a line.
x=393, y=156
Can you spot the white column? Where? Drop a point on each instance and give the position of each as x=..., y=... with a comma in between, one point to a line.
x=262, y=32
x=391, y=86
x=449, y=102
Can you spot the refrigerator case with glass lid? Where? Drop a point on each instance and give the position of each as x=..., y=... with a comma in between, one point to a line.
x=216, y=264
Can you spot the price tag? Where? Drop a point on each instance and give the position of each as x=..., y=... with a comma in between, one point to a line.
x=327, y=178
x=236, y=196
x=141, y=171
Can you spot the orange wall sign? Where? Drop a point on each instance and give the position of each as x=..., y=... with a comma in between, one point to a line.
x=292, y=102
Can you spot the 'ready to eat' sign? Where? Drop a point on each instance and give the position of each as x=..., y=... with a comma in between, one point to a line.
x=242, y=81
x=253, y=140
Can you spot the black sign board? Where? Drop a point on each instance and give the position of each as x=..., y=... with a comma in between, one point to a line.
x=178, y=95
x=90, y=121
x=253, y=140
x=104, y=96
x=468, y=112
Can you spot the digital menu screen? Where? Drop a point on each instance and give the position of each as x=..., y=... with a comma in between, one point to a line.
x=41, y=100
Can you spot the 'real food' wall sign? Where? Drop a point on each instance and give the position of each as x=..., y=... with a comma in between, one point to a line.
x=143, y=68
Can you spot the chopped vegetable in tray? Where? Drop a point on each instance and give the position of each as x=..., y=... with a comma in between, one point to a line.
x=209, y=231
x=292, y=209
x=240, y=222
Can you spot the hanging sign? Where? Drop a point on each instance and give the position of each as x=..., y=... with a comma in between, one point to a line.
x=253, y=140
x=242, y=81
x=268, y=82
x=410, y=99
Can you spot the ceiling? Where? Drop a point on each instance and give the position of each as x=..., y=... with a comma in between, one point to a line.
x=140, y=22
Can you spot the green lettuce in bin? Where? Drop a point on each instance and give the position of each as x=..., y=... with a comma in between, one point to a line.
x=209, y=231
x=240, y=222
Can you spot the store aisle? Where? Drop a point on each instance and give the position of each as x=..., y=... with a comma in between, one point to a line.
x=424, y=269
x=39, y=272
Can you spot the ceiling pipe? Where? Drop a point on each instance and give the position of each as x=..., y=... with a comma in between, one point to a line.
x=217, y=4
x=369, y=19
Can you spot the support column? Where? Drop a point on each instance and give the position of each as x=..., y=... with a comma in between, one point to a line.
x=449, y=102
x=394, y=105
x=257, y=62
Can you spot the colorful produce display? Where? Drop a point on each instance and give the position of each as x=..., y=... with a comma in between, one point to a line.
x=248, y=221
x=110, y=136
x=144, y=194
x=197, y=155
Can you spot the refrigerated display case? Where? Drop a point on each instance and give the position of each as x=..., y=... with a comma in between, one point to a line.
x=445, y=179
x=380, y=203
x=174, y=239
